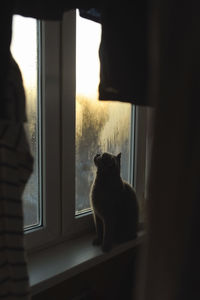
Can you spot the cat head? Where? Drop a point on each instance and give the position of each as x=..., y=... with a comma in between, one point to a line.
x=107, y=162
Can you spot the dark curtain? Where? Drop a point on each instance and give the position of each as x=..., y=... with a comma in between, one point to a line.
x=123, y=52
x=171, y=268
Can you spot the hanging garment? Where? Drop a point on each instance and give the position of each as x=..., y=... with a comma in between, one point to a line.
x=15, y=169
x=16, y=165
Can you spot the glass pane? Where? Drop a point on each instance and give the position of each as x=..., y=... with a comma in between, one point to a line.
x=100, y=126
x=24, y=49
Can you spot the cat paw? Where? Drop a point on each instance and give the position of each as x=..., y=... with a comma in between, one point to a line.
x=97, y=242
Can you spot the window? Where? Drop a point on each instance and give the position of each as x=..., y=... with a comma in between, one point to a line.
x=100, y=126
x=68, y=125
x=35, y=46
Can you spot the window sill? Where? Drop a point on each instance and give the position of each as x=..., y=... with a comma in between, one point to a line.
x=53, y=265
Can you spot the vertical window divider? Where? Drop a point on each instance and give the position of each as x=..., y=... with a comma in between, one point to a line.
x=68, y=120
x=140, y=157
x=132, y=146
x=39, y=128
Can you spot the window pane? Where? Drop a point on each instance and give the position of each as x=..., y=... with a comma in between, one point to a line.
x=100, y=126
x=24, y=49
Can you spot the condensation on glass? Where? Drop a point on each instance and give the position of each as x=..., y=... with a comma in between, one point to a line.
x=100, y=126
x=24, y=48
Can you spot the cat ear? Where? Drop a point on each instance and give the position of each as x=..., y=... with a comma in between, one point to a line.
x=119, y=156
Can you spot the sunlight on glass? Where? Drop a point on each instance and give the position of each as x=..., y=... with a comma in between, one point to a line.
x=24, y=50
x=100, y=126
x=87, y=62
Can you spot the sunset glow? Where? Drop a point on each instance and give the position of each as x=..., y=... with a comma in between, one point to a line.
x=88, y=35
x=24, y=48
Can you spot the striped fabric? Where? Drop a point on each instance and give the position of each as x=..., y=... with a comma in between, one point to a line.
x=15, y=169
x=16, y=165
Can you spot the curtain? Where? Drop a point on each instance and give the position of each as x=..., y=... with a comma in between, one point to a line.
x=16, y=165
x=171, y=251
x=123, y=51
x=15, y=169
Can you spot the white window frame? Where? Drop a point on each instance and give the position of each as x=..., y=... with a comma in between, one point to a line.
x=50, y=127
x=58, y=88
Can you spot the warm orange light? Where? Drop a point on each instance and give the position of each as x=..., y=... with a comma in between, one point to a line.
x=24, y=48
x=87, y=59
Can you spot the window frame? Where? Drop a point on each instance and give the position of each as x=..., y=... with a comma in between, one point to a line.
x=58, y=61
x=49, y=102
x=72, y=225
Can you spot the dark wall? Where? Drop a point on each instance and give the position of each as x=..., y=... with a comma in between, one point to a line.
x=113, y=279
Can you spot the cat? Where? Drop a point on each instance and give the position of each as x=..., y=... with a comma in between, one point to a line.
x=114, y=203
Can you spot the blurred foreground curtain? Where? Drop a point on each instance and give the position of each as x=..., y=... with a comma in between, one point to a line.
x=172, y=250
x=15, y=169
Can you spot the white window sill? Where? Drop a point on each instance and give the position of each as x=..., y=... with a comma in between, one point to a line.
x=58, y=263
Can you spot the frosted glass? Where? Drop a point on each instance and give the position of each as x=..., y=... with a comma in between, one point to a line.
x=24, y=49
